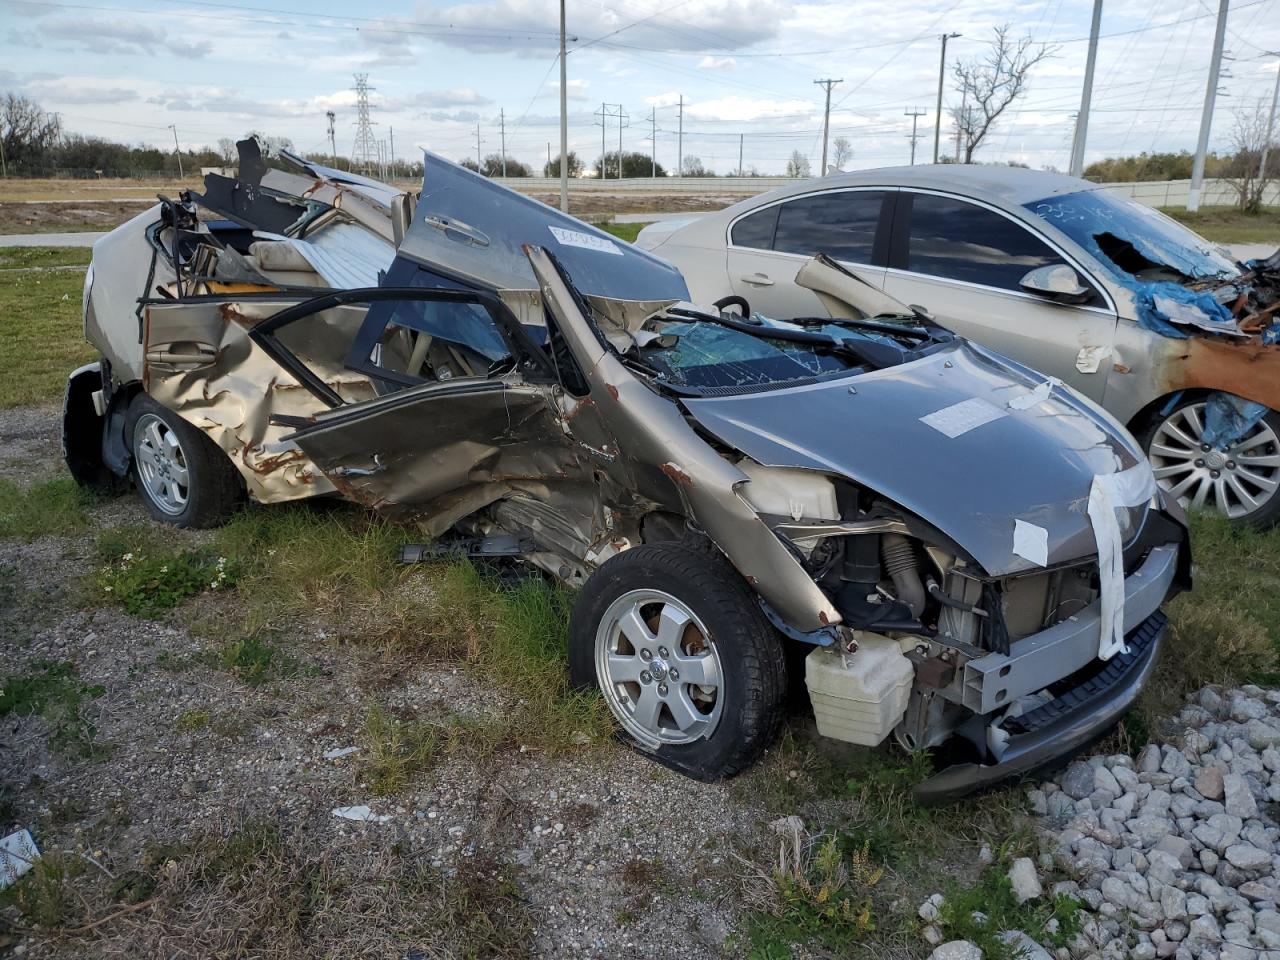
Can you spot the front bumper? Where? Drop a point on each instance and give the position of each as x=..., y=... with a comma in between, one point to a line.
x=1078, y=716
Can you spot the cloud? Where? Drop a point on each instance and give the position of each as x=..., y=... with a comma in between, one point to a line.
x=576, y=89
x=78, y=90
x=440, y=99
x=231, y=102
x=120, y=37
x=458, y=116
x=717, y=63
x=744, y=109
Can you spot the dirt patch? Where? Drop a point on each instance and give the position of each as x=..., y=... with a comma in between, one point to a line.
x=69, y=216
x=30, y=450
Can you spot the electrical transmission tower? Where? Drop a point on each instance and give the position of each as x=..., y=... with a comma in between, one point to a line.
x=364, y=155
x=607, y=112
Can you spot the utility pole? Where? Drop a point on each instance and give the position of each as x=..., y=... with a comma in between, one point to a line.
x=603, y=114
x=915, y=113
x=502, y=132
x=653, y=142
x=622, y=122
x=479, y=164
x=1266, y=144
x=1076, y=167
x=739, y=154
x=680, y=141
x=826, y=120
x=333, y=143
x=564, y=121
x=4, y=166
x=548, y=159
x=392, y=134
x=942, y=76
x=177, y=151
x=960, y=121
x=1206, y=118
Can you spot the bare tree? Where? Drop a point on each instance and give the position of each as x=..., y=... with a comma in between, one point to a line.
x=842, y=152
x=27, y=132
x=798, y=165
x=1249, y=136
x=227, y=149
x=990, y=83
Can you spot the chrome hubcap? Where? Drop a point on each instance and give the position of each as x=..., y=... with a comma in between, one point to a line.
x=1235, y=481
x=162, y=464
x=658, y=668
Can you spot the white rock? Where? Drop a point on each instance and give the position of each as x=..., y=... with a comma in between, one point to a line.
x=928, y=911
x=1239, y=799
x=956, y=950
x=1024, y=947
x=1247, y=857
x=1022, y=876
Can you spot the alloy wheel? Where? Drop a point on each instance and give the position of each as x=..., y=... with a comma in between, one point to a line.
x=659, y=669
x=1236, y=481
x=162, y=464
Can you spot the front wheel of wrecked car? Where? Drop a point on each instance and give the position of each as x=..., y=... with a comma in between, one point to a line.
x=1238, y=479
x=688, y=665
x=182, y=476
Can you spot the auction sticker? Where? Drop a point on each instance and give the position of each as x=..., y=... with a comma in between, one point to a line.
x=575, y=238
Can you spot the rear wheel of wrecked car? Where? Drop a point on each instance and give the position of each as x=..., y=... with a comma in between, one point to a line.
x=1238, y=479
x=687, y=663
x=182, y=476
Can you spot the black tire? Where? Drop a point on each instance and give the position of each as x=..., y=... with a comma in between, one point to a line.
x=1265, y=516
x=753, y=669
x=214, y=489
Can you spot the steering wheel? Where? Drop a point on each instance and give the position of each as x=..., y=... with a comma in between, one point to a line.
x=734, y=301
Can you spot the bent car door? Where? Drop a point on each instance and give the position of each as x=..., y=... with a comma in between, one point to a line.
x=464, y=413
x=768, y=246
x=964, y=262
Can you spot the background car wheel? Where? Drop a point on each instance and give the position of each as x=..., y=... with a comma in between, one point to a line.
x=1240, y=482
x=182, y=476
x=685, y=659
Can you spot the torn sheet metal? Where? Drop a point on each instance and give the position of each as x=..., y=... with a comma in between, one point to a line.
x=1031, y=542
x=1040, y=394
x=959, y=418
x=1110, y=497
x=1227, y=418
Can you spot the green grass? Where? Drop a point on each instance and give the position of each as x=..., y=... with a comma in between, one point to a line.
x=41, y=334
x=1229, y=225
x=11, y=257
x=625, y=231
x=55, y=507
x=52, y=690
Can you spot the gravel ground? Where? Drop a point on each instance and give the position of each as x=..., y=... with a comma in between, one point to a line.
x=613, y=855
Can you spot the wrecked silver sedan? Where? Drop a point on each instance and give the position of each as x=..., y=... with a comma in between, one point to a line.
x=970, y=558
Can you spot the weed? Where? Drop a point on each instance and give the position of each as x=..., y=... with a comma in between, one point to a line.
x=397, y=750
x=148, y=580
x=254, y=660
x=194, y=719
x=29, y=257
x=53, y=691
x=51, y=508
x=42, y=895
x=816, y=892
x=980, y=912
x=624, y=231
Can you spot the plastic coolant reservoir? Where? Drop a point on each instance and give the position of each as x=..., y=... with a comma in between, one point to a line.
x=788, y=492
x=859, y=697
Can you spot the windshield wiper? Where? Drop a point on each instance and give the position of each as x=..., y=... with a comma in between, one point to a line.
x=919, y=333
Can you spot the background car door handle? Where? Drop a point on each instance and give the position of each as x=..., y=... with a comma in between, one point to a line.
x=757, y=280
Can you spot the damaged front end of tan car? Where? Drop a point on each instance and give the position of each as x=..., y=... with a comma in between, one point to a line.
x=970, y=558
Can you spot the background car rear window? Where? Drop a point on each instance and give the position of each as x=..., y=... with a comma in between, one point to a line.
x=841, y=225
x=962, y=241
x=756, y=229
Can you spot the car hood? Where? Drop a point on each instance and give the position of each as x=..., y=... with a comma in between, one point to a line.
x=972, y=471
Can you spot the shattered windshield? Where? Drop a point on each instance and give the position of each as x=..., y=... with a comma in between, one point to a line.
x=708, y=356
x=1131, y=240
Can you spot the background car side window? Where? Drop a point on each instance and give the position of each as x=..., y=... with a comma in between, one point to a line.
x=961, y=241
x=841, y=224
x=755, y=229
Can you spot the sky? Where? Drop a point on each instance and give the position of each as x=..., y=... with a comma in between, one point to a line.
x=129, y=69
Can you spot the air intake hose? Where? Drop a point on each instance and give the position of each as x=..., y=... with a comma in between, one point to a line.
x=900, y=563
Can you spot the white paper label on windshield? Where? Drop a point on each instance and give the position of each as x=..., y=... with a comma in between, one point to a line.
x=960, y=418
x=587, y=241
